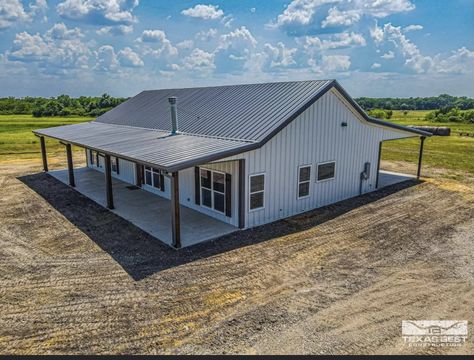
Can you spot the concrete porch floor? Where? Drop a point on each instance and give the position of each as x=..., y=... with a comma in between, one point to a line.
x=387, y=178
x=146, y=210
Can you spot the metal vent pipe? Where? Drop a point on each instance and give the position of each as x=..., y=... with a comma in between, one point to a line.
x=174, y=114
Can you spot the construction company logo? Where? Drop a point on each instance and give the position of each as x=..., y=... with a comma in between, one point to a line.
x=435, y=333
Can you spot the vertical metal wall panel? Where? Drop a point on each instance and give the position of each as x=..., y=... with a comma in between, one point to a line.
x=126, y=169
x=315, y=136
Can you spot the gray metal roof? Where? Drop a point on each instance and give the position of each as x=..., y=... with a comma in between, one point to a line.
x=214, y=122
x=150, y=147
x=247, y=112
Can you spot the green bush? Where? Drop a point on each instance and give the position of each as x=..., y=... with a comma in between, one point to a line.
x=447, y=114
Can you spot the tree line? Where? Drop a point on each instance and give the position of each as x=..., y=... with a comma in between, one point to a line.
x=443, y=101
x=63, y=105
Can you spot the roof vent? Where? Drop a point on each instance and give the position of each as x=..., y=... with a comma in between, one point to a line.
x=174, y=114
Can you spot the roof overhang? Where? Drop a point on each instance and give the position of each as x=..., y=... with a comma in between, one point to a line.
x=145, y=146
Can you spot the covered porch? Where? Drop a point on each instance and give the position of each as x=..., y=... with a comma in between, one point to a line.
x=149, y=212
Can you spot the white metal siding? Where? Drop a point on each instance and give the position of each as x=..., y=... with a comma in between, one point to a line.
x=315, y=136
x=126, y=169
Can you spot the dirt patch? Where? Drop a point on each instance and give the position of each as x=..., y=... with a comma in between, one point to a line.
x=337, y=280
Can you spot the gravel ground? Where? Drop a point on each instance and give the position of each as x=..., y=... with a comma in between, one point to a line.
x=77, y=279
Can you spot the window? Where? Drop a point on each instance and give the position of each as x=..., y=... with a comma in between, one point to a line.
x=257, y=189
x=213, y=189
x=92, y=157
x=114, y=164
x=326, y=171
x=304, y=177
x=153, y=177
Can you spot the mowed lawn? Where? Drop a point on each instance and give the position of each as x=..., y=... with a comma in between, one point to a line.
x=17, y=140
x=451, y=152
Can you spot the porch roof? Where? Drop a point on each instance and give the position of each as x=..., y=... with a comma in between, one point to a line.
x=147, y=146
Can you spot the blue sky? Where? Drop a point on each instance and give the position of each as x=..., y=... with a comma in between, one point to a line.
x=373, y=47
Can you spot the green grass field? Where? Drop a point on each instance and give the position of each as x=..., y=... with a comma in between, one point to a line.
x=452, y=152
x=449, y=152
x=17, y=140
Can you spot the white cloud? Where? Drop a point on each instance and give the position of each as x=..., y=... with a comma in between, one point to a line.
x=377, y=33
x=206, y=12
x=99, y=12
x=106, y=59
x=460, y=62
x=50, y=53
x=347, y=12
x=341, y=18
x=389, y=55
x=206, y=35
x=330, y=64
x=12, y=12
x=115, y=30
x=199, y=60
x=412, y=28
x=128, y=58
x=157, y=38
x=239, y=39
x=337, y=41
x=60, y=32
x=253, y=10
x=185, y=44
x=280, y=55
x=376, y=66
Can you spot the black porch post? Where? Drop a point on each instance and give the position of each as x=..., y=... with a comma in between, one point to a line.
x=70, y=166
x=43, y=154
x=242, y=193
x=378, y=166
x=175, y=220
x=422, y=141
x=108, y=182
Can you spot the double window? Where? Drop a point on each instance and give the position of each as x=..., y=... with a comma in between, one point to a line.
x=304, y=178
x=213, y=189
x=153, y=177
x=257, y=191
x=326, y=171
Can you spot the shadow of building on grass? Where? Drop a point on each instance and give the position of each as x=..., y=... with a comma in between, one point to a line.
x=142, y=255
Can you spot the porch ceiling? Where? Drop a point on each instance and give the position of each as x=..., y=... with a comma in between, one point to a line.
x=150, y=147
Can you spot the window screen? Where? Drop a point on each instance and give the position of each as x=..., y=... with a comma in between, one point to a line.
x=257, y=191
x=326, y=171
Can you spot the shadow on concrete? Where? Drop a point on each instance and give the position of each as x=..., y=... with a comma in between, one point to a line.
x=142, y=255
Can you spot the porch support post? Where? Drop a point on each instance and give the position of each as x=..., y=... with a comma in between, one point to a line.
x=108, y=182
x=43, y=153
x=70, y=166
x=242, y=193
x=378, y=166
x=422, y=141
x=175, y=219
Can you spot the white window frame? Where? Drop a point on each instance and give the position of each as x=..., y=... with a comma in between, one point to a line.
x=323, y=163
x=302, y=182
x=116, y=164
x=256, y=192
x=152, y=177
x=212, y=190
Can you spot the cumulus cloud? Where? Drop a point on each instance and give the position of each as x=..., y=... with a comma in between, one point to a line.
x=60, y=32
x=240, y=38
x=337, y=17
x=13, y=11
x=280, y=55
x=206, y=12
x=115, y=30
x=199, y=61
x=106, y=59
x=98, y=12
x=337, y=41
x=206, y=35
x=460, y=62
x=161, y=45
x=389, y=55
x=330, y=64
x=412, y=28
x=376, y=66
x=128, y=58
x=56, y=50
x=302, y=13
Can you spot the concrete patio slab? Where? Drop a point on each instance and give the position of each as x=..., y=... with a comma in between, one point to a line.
x=148, y=211
x=387, y=178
